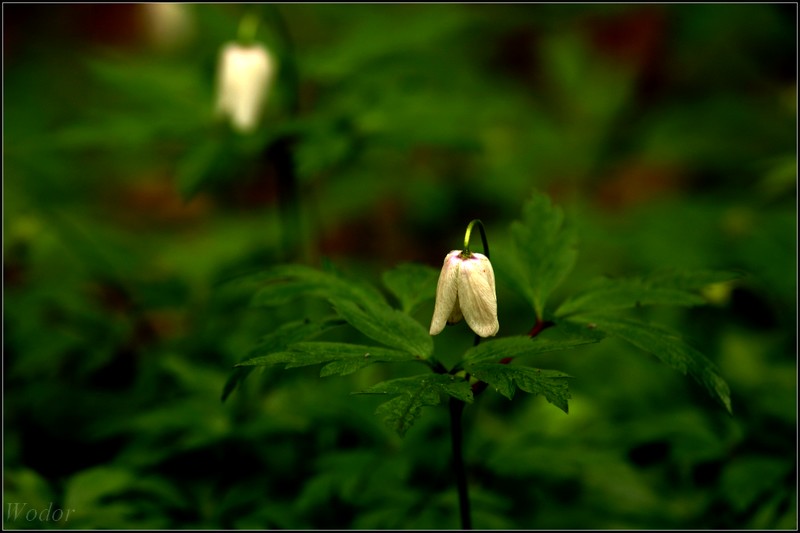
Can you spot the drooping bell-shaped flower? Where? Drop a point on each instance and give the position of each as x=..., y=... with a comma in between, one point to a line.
x=244, y=77
x=466, y=290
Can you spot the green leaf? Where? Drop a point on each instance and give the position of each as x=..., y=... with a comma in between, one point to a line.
x=285, y=283
x=388, y=326
x=360, y=304
x=236, y=378
x=414, y=393
x=412, y=284
x=562, y=336
x=670, y=348
x=662, y=288
x=291, y=333
x=342, y=358
x=552, y=384
x=544, y=252
x=748, y=477
x=87, y=488
x=692, y=279
x=278, y=340
x=621, y=294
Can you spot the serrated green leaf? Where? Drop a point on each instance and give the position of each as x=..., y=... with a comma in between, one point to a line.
x=562, y=336
x=278, y=340
x=343, y=367
x=401, y=412
x=342, y=358
x=552, y=384
x=414, y=393
x=544, y=251
x=670, y=348
x=411, y=283
x=621, y=294
x=662, y=288
x=284, y=283
x=291, y=333
x=360, y=304
x=388, y=326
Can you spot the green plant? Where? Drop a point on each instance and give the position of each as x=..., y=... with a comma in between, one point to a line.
x=541, y=255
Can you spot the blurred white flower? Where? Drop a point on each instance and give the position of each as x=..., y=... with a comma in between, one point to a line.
x=466, y=290
x=244, y=77
x=168, y=25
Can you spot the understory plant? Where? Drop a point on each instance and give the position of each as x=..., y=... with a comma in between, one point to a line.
x=541, y=253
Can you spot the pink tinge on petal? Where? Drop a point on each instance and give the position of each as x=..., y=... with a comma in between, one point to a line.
x=466, y=289
x=477, y=297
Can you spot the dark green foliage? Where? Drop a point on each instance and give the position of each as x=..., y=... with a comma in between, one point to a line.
x=505, y=379
x=543, y=254
x=413, y=394
x=342, y=358
x=361, y=305
x=287, y=334
x=561, y=337
x=663, y=288
x=285, y=283
x=670, y=348
x=412, y=284
x=669, y=287
x=387, y=326
x=366, y=310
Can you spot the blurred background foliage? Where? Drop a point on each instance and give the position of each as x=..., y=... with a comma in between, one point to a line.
x=667, y=132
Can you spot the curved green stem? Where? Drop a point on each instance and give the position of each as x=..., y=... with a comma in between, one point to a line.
x=467, y=253
x=468, y=234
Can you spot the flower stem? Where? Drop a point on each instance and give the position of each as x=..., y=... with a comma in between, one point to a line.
x=457, y=406
x=456, y=435
x=280, y=156
x=280, y=153
x=468, y=234
x=247, y=28
x=435, y=365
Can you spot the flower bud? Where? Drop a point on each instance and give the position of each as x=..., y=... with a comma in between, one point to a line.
x=466, y=290
x=244, y=76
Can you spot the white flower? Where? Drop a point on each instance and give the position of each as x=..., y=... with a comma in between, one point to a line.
x=244, y=76
x=466, y=290
x=168, y=25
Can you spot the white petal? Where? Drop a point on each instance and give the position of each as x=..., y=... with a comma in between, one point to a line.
x=446, y=292
x=476, y=294
x=455, y=316
x=245, y=73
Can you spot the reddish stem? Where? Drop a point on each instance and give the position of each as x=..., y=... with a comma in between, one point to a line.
x=540, y=326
